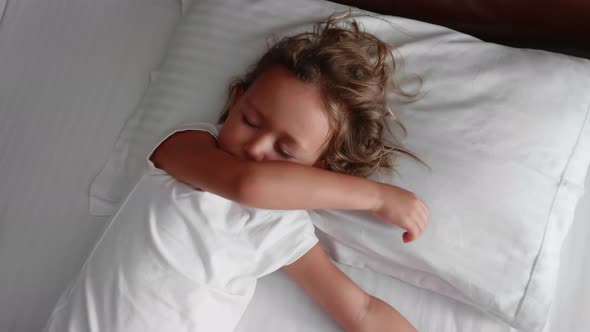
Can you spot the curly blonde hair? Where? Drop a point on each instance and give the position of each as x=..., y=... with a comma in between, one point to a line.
x=355, y=71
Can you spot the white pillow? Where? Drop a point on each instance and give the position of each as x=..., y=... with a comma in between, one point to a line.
x=506, y=132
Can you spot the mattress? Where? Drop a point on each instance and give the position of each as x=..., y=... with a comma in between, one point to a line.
x=71, y=73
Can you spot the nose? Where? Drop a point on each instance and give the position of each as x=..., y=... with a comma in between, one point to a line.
x=257, y=148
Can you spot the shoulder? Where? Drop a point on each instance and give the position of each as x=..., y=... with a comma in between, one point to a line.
x=194, y=135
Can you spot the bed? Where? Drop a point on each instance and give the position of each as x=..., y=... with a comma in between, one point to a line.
x=71, y=73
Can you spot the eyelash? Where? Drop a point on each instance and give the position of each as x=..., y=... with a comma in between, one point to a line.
x=279, y=150
x=284, y=154
x=247, y=122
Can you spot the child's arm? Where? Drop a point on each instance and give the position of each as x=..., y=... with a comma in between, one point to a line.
x=349, y=305
x=193, y=157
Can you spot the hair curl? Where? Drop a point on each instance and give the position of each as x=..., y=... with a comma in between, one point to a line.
x=355, y=71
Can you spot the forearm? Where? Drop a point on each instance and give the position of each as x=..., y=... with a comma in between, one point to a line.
x=284, y=185
x=194, y=158
x=330, y=288
x=349, y=305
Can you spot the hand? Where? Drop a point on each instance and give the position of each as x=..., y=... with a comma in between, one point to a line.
x=403, y=208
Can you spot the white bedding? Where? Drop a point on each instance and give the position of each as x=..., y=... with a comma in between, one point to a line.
x=293, y=311
x=70, y=74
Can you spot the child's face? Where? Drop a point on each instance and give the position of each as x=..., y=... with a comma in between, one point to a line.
x=278, y=118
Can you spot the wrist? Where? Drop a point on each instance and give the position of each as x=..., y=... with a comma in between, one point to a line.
x=376, y=197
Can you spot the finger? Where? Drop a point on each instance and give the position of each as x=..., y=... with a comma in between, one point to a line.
x=406, y=237
x=418, y=221
x=424, y=220
x=425, y=209
x=426, y=216
x=413, y=231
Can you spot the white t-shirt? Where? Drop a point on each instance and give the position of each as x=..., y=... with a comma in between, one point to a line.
x=177, y=259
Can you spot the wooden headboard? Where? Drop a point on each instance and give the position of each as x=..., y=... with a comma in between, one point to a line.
x=559, y=26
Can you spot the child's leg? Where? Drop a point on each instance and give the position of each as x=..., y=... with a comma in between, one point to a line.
x=349, y=305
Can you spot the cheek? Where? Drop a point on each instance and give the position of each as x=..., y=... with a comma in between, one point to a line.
x=232, y=136
x=226, y=139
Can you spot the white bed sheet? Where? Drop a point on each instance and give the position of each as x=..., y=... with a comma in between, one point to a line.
x=71, y=72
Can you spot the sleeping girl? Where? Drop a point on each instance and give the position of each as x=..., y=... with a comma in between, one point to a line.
x=223, y=205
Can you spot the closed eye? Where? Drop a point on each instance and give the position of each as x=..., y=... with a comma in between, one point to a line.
x=284, y=153
x=247, y=122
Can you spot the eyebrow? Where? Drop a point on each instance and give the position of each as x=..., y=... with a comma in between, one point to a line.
x=290, y=138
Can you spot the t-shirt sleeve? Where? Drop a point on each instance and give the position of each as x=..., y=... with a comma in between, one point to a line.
x=202, y=126
x=297, y=237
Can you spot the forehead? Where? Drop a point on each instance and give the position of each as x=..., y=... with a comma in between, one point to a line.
x=290, y=107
